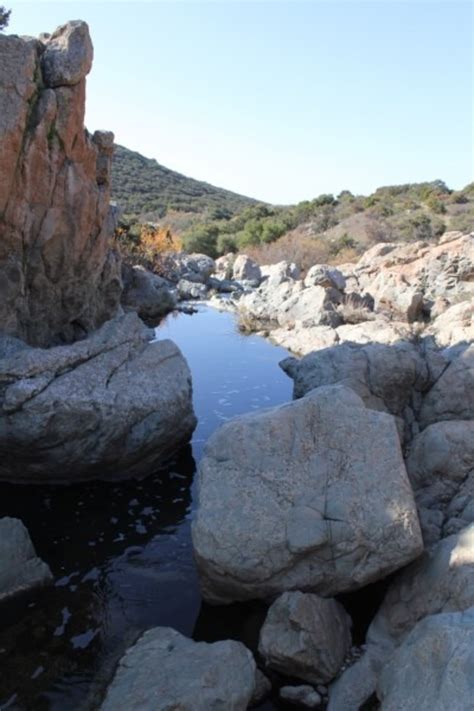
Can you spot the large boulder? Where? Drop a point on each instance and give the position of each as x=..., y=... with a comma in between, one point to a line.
x=245, y=269
x=261, y=307
x=452, y=395
x=454, y=325
x=59, y=277
x=191, y=290
x=433, y=670
x=407, y=278
x=68, y=55
x=441, y=580
x=326, y=276
x=313, y=306
x=110, y=406
x=275, y=274
x=196, y=268
x=223, y=266
x=388, y=378
x=20, y=567
x=440, y=465
x=165, y=671
x=306, y=636
x=318, y=511
x=146, y=293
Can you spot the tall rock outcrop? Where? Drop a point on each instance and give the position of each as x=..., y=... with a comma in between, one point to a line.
x=59, y=278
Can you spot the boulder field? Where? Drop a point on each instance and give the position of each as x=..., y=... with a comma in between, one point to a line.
x=365, y=477
x=368, y=470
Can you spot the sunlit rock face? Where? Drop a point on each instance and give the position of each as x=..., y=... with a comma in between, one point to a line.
x=110, y=406
x=59, y=278
x=311, y=496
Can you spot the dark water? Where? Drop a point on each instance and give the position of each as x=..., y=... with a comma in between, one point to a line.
x=121, y=554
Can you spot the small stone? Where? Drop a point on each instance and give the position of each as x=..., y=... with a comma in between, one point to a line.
x=303, y=695
x=263, y=686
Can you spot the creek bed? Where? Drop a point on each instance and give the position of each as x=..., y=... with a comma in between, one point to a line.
x=121, y=553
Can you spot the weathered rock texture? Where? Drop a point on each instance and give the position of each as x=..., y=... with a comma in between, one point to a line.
x=59, y=278
x=20, y=567
x=306, y=636
x=324, y=501
x=147, y=294
x=395, y=291
x=433, y=669
x=164, y=671
x=440, y=465
x=110, y=406
x=441, y=580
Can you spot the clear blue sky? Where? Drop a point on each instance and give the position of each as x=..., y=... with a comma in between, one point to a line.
x=282, y=100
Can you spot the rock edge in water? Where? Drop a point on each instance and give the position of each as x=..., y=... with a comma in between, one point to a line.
x=114, y=405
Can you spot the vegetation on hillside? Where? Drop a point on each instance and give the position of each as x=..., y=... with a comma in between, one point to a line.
x=4, y=17
x=147, y=190
x=332, y=229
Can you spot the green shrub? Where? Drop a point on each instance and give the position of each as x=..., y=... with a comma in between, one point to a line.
x=202, y=239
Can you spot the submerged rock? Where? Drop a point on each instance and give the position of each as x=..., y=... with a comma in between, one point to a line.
x=324, y=501
x=20, y=567
x=111, y=406
x=306, y=636
x=165, y=671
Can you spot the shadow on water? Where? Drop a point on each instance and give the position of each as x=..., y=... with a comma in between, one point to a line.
x=121, y=554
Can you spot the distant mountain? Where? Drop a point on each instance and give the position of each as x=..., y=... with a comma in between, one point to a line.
x=143, y=187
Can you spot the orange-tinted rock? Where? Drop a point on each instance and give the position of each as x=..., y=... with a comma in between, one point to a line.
x=59, y=277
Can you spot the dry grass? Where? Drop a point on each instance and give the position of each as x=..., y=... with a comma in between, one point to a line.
x=304, y=251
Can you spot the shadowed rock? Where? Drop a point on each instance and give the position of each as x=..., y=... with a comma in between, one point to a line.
x=20, y=567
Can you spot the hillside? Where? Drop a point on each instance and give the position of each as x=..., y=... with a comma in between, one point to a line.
x=203, y=218
x=331, y=228
x=144, y=188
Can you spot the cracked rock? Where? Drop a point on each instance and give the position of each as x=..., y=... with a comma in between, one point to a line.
x=110, y=406
x=312, y=495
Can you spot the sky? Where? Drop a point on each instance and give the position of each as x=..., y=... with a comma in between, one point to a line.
x=281, y=101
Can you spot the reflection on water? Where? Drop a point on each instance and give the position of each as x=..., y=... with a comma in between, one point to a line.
x=121, y=553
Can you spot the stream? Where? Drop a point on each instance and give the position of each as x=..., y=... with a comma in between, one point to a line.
x=121, y=554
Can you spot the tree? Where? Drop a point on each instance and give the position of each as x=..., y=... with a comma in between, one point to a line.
x=4, y=17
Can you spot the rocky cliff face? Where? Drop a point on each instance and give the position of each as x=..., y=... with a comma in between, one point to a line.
x=59, y=278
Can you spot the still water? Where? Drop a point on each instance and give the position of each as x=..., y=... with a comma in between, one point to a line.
x=121, y=554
